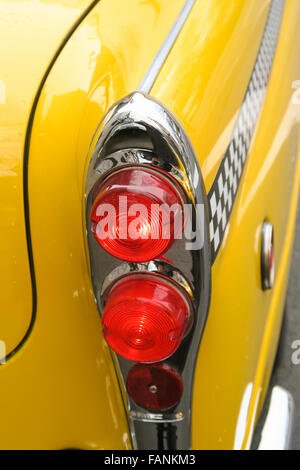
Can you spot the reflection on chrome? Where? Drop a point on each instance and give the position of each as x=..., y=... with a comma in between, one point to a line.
x=278, y=429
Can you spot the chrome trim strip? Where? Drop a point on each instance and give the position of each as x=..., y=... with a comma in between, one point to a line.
x=154, y=69
x=156, y=417
x=277, y=433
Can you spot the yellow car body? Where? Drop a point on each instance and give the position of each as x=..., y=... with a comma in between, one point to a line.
x=63, y=65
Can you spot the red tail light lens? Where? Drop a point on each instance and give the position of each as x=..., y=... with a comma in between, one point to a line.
x=136, y=214
x=145, y=318
x=156, y=387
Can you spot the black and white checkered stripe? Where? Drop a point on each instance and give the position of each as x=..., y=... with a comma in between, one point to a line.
x=224, y=189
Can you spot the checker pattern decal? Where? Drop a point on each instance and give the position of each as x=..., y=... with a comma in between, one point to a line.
x=225, y=186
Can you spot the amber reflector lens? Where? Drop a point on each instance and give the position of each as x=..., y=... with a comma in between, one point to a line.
x=156, y=387
x=131, y=216
x=145, y=318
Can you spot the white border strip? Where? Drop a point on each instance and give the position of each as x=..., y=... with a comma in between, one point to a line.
x=154, y=69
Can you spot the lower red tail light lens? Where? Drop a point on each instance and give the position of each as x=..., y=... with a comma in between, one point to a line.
x=145, y=318
x=137, y=213
x=155, y=387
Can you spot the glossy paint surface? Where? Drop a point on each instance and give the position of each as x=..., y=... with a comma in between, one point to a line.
x=61, y=390
x=30, y=33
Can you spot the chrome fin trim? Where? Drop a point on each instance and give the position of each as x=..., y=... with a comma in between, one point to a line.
x=154, y=69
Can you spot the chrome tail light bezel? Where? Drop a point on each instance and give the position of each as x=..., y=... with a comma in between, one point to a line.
x=138, y=130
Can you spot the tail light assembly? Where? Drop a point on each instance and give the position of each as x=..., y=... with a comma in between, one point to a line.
x=148, y=246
